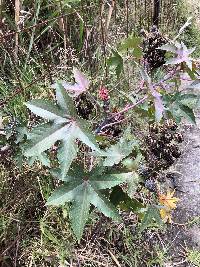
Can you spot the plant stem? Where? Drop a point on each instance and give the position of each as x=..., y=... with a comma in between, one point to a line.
x=129, y=107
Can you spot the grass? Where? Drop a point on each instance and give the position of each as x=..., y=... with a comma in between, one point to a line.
x=34, y=235
x=193, y=256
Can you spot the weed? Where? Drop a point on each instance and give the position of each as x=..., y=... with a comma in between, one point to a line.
x=193, y=256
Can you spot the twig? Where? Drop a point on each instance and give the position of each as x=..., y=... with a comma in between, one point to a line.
x=17, y=11
x=110, y=11
x=129, y=107
x=113, y=123
x=114, y=258
x=105, y=123
x=103, y=35
x=167, y=77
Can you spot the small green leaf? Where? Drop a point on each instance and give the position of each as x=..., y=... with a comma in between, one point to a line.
x=151, y=217
x=132, y=43
x=115, y=153
x=117, y=61
x=132, y=184
x=188, y=112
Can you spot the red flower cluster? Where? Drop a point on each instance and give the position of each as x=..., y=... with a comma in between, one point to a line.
x=103, y=93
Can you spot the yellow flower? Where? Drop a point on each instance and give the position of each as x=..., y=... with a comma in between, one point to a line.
x=166, y=216
x=168, y=200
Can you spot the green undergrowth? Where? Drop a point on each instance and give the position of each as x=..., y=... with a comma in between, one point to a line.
x=42, y=237
x=193, y=256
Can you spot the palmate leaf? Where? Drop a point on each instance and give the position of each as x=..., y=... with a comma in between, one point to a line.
x=132, y=43
x=41, y=158
x=44, y=136
x=81, y=84
x=117, y=152
x=182, y=54
x=64, y=126
x=182, y=105
x=64, y=100
x=67, y=153
x=82, y=190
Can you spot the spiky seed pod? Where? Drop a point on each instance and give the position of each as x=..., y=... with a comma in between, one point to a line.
x=84, y=106
x=151, y=185
x=152, y=41
x=178, y=137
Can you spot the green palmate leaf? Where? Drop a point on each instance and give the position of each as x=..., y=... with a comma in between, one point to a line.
x=79, y=211
x=22, y=132
x=151, y=218
x=84, y=189
x=132, y=43
x=64, y=100
x=83, y=133
x=65, y=127
x=41, y=158
x=115, y=153
x=182, y=105
x=104, y=181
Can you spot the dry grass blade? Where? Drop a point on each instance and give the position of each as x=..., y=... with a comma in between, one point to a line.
x=17, y=13
x=114, y=258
